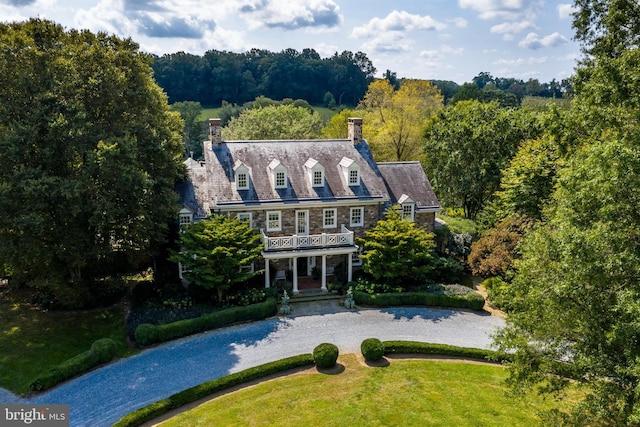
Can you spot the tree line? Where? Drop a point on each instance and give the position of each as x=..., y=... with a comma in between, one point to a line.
x=237, y=78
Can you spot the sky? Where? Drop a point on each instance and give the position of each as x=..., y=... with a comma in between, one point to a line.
x=422, y=39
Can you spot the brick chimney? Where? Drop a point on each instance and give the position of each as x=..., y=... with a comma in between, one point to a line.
x=215, y=132
x=355, y=130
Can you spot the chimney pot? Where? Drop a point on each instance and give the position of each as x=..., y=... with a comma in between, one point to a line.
x=215, y=132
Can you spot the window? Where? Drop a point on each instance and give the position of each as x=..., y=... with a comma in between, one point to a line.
x=245, y=216
x=357, y=217
x=278, y=174
x=185, y=219
x=247, y=268
x=182, y=269
x=354, y=177
x=280, y=180
x=407, y=211
x=329, y=218
x=356, y=261
x=243, y=182
x=317, y=179
x=273, y=221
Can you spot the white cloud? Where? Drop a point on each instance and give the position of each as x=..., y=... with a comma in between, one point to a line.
x=533, y=41
x=433, y=54
x=397, y=22
x=451, y=50
x=503, y=9
x=565, y=10
x=325, y=50
x=391, y=41
x=290, y=15
x=512, y=27
x=459, y=22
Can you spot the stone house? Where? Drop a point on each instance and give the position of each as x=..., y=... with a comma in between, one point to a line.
x=310, y=199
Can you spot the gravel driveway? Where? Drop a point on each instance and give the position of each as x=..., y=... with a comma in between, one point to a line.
x=103, y=396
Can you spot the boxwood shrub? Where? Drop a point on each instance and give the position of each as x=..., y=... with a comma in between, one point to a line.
x=372, y=349
x=325, y=355
x=101, y=351
x=472, y=300
x=415, y=347
x=192, y=394
x=147, y=334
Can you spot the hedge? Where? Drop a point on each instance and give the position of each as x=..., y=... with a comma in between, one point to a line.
x=102, y=351
x=147, y=334
x=415, y=347
x=192, y=394
x=472, y=300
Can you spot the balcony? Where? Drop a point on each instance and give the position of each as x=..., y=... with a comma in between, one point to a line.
x=312, y=241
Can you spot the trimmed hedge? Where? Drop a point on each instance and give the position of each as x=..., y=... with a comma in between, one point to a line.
x=415, y=347
x=192, y=394
x=325, y=355
x=372, y=349
x=102, y=351
x=147, y=334
x=472, y=300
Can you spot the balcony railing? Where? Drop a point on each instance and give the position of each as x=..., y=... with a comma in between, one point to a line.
x=324, y=240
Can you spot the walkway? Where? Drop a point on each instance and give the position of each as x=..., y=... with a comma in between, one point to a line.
x=103, y=396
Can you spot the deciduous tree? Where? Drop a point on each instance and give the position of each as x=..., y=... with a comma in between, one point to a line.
x=90, y=153
x=274, y=122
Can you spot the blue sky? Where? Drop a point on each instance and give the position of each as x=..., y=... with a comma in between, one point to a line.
x=426, y=39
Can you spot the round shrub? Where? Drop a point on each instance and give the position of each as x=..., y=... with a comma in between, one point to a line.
x=325, y=355
x=372, y=349
x=105, y=349
x=146, y=334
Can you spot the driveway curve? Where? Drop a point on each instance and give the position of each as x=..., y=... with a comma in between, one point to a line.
x=105, y=395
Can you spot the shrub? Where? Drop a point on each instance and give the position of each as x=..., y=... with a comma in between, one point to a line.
x=101, y=351
x=192, y=394
x=499, y=293
x=472, y=300
x=105, y=349
x=325, y=355
x=150, y=334
x=372, y=349
x=415, y=347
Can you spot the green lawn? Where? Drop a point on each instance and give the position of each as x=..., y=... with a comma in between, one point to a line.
x=406, y=392
x=32, y=341
x=213, y=112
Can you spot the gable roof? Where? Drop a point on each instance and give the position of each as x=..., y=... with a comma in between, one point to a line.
x=218, y=188
x=409, y=180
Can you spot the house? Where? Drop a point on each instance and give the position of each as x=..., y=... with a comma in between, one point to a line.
x=310, y=199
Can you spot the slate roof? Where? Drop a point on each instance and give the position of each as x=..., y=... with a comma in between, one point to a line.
x=408, y=178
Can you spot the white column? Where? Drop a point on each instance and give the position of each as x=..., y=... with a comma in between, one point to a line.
x=267, y=278
x=324, y=274
x=349, y=268
x=295, y=275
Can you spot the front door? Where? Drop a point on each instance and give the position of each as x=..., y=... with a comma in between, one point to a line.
x=302, y=223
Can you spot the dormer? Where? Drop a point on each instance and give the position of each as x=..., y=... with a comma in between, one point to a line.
x=315, y=171
x=351, y=171
x=407, y=207
x=241, y=173
x=278, y=174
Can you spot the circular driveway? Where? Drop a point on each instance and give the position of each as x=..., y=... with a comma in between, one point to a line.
x=105, y=395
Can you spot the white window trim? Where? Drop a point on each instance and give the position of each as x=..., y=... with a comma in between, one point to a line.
x=239, y=185
x=356, y=261
x=241, y=169
x=355, y=174
x=279, y=228
x=411, y=215
x=247, y=216
x=354, y=224
x=335, y=218
x=249, y=267
x=275, y=167
x=313, y=178
x=349, y=165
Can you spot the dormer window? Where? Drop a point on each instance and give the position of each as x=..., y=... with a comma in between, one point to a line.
x=407, y=207
x=241, y=172
x=351, y=171
x=316, y=172
x=278, y=174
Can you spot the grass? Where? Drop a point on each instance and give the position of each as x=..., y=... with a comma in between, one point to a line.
x=458, y=224
x=212, y=112
x=32, y=341
x=406, y=392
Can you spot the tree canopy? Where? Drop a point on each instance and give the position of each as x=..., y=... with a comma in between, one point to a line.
x=284, y=121
x=90, y=153
x=394, y=120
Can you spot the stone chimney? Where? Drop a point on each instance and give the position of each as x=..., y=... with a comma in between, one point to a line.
x=355, y=130
x=215, y=132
